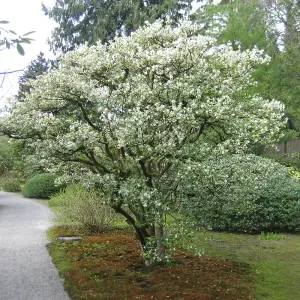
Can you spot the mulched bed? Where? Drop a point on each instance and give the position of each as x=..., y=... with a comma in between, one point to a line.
x=109, y=266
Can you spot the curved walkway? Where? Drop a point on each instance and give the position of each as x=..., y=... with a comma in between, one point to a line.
x=26, y=270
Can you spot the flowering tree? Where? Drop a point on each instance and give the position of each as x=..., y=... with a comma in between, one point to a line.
x=124, y=116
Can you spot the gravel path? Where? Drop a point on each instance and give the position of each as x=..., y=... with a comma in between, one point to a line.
x=26, y=270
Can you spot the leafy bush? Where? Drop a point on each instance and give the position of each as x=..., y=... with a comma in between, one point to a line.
x=295, y=173
x=11, y=185
x=83, y=208
x=4, y=164
x=243, y=194
x=6, y=158
x=40, y=186
x=24, y=164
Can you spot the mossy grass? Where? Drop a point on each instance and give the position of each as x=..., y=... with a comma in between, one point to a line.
x=275, y=258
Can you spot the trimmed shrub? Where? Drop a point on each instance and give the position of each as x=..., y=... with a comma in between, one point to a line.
x=11, y=186
x=40, y=186
x=82, y=208
x=242, y=193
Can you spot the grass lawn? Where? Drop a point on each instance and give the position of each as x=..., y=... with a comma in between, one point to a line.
x=234, y=266
x=274, y=258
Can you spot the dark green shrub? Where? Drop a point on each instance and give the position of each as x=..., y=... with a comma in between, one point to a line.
x=40, y=186
x=82, y=208
x=11, y=186
x=243, y=194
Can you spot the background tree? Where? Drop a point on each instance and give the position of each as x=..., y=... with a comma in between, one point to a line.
x=286, y=13
x=37, y=67
x=243, y=24
x=129, y=114
x=22, y=166
x=272, y=26
x=90, y=21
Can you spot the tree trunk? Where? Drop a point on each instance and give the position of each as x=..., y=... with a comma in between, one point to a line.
x=143, y=234
x=160, y=246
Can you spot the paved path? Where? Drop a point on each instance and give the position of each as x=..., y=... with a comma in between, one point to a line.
x=26, y=270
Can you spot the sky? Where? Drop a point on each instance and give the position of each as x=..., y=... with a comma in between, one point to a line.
x=23, y=16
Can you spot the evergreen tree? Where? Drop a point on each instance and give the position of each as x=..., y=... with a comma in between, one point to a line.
x=88, y=21
x=37, y=67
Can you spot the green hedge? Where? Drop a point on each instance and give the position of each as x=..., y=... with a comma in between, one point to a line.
x=40, y=186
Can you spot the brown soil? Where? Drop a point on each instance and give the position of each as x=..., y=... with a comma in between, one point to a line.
x=109, y=266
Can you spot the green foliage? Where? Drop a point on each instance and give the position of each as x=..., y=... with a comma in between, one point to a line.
x=82, y=208
x=4, y=165
x=242, y=194
x=40, y=186
x=10, y=38
x=37, y=67
x=272, y=26
x=295, y=173
x=11, y=185
x=23, y=165
x=271, y=236
x=86, y=21
x=281, y=81
x=6, y=158
x=242, y=24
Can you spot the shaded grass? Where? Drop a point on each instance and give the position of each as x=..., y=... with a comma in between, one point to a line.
x=275, y=258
